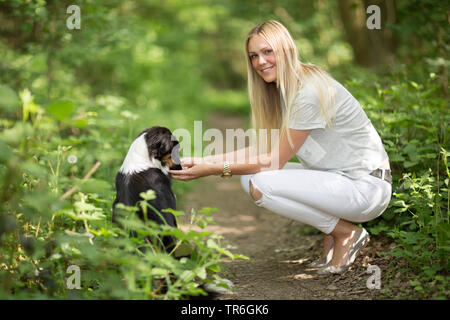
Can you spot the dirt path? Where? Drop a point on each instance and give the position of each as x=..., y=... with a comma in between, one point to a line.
x=279, y=248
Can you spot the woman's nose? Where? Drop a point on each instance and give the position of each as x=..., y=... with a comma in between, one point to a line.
x=261, y=60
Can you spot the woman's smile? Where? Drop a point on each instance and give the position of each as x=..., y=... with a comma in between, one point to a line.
x=267, y=70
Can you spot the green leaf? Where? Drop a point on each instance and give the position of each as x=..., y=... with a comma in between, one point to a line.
x=9, y=100
x=389, y=215
x=187, y=276
x=83, y=206
x=214, y=267
x=13, y=136
x=408, y=164
x=148, y=195
x=397, y=158
x=61, y=109
x=414, y=283
x=91, y=217
x=213, y=245
x=5, y=151
x=159, y=272
x=202, y=273
x=174, y=212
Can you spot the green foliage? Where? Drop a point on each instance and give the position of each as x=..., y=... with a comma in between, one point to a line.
x=423, y=25
x=42, y=234
x=412, y=119
x=67, y=100
x=10, y=101
x=113, y=266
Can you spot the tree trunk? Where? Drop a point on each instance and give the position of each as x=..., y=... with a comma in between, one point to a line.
x=354, y=20
x=370, y=47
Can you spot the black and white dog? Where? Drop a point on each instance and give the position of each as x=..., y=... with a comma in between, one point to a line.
x=145, y=167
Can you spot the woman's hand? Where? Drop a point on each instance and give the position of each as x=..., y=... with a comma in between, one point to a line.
x=190, y=161
x=193, y=171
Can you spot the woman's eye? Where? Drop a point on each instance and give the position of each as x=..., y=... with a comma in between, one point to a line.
x=268, y=51
x=253, y=56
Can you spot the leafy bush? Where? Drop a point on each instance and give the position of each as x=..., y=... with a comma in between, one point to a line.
x=50, y=219
x=410, y=115
x=43, y=235
x=35, y=264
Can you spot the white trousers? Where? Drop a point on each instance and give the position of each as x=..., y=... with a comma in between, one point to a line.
x=319, y=198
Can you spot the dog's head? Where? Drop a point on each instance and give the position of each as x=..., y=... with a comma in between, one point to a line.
x=155, y=147
x=163, y=146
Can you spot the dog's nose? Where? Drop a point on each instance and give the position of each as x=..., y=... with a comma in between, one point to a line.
x=176, y=167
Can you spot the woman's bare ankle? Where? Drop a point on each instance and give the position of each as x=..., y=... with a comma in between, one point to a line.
x=343, y=235
x=328, y=243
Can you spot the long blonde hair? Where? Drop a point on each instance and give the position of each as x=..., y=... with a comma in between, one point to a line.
x=292, y=74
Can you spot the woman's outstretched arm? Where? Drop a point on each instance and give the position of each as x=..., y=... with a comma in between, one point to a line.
x=239, y=155
x=251, y=164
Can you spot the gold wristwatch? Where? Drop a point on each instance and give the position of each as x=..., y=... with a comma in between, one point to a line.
x=226, y=172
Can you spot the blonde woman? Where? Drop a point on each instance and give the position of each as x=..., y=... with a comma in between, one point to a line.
x=343, y=175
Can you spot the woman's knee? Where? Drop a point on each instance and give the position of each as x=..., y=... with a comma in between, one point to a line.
x=260, y=184
x=255, y=193
x=251, y=187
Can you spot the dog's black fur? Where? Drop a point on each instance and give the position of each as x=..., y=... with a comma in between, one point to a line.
x=139, y=174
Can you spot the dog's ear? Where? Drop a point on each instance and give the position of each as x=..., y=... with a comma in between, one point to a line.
x=158, y=148
x=158, y=142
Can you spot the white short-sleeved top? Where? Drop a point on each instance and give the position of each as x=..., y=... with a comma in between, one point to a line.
x=351, y=147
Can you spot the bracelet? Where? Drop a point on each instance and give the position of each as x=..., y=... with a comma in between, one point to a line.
x=226, y=172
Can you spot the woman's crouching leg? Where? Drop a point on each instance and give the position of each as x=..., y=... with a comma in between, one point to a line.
x=261, y=190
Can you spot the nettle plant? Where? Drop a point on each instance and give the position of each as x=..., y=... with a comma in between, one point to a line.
x=411, y=117
x=52, y=222
x=111, y=264
x=174, y=277
x=44, y=234
x=425, y=198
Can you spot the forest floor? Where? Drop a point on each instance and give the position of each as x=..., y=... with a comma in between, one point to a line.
x=279, y=248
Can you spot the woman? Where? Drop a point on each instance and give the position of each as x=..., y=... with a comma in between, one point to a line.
x=344, y=172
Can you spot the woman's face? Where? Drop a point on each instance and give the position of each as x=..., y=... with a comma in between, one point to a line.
x=262, y=58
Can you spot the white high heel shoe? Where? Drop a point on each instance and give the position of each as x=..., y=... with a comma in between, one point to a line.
x=361, y=240
x=322, y=261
